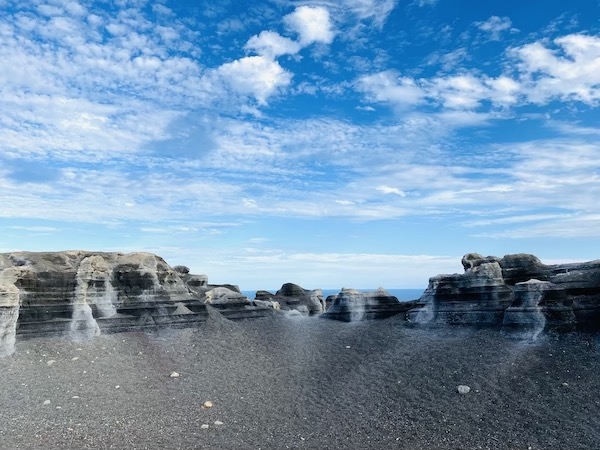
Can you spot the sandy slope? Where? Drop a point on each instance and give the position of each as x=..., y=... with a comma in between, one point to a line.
x=307, y=384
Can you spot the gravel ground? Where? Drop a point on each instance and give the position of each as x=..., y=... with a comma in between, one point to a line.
x=302, y=383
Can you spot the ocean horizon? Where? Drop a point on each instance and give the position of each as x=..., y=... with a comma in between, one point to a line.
x=401, y=294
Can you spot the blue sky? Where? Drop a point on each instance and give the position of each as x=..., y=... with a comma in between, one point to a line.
x=356, y=143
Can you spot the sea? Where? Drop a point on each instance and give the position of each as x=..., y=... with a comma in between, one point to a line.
x=401, y=294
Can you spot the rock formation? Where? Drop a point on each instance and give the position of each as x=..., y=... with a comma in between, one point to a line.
x=292, y=297
x=83, y=293
x=351, y=305
x=517, y=292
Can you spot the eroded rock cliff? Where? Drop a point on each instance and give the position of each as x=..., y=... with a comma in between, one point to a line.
x=517, y=292
x=82, y=293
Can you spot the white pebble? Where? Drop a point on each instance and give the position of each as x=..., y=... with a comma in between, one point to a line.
x=204, y=426
x=174, y=375
x=462, y=389
x=46, y=402
x=218, y=423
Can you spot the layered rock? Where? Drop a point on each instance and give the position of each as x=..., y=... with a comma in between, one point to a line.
x=536, y=306
x=517, y=291
x=292, y=297
x=83, y=293
x=351, y=305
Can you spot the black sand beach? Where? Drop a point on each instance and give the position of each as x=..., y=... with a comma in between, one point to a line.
x=303, y=384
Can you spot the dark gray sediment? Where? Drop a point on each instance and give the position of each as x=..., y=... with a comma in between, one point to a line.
x=303, y=383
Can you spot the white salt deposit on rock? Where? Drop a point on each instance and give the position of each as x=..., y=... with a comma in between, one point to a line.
x=462, y=389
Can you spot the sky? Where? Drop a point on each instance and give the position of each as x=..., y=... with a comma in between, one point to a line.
x=347, y=143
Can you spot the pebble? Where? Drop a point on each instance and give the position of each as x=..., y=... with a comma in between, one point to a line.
x=46, y=402
x=463, y=389
x=50, y=362
x=218, y=423
x=207, y=404
x=174, y=375
x=204, y=426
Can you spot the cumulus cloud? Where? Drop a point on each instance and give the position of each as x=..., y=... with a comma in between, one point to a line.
x=312, y=23
x=258, y=76
x=453, y=92
x=569, y=71
x=272, y=45
x=387, y=86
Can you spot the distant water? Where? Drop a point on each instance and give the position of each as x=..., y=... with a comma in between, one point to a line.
x=401, y=294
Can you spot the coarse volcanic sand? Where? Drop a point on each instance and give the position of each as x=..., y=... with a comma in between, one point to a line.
x=305, y=383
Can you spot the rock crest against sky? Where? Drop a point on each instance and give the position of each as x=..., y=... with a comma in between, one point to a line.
x=356, y=143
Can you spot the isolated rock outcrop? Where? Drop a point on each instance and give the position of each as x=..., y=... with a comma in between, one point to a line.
x=517, y=292
x=351, y=305
x=292, y=297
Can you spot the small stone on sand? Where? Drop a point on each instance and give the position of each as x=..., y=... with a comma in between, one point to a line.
x=462, y=389
x=174, y=375
x=207, y=404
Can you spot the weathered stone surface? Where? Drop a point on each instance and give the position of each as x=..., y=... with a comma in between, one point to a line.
x=516, y=291
x=293, y=297
x=81, y=294
x=351, y=305
x=536, y=305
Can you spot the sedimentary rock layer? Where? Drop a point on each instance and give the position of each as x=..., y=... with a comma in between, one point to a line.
x=516, y=291
x=82, y=293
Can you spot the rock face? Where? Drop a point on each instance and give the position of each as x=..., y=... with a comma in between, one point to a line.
x=292, y=297
x=81, y=293
x=517, y=292
x=351, y=305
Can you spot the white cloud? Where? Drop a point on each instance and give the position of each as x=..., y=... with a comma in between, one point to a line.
x=312, y=23
x=389, y=87
x=391, y=190
x=258, y=76
x=571, y=71
x=317, y=270
x=495, y=26
x=377, y=10
x=271, y=45
x=453, y=92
